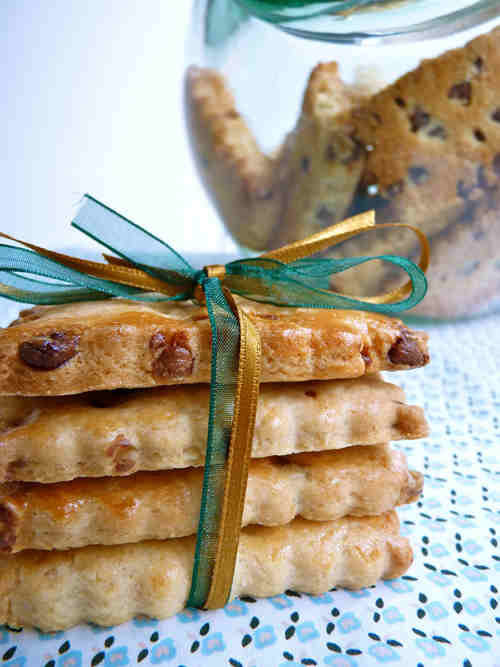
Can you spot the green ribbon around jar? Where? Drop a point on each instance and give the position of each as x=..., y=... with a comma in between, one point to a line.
x=146, y=269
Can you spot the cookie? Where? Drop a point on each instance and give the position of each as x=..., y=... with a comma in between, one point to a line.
x=108, y=585
x=321, y=161
x=464, y=275
x=117, y=433
x=433, y=153
x=240, y=179
x=356, y=481
x=56, y=350
x=308, y=184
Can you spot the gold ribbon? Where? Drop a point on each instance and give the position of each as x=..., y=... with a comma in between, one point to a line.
x=121, y=271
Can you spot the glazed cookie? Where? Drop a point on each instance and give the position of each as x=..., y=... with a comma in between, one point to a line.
x=117, y=433
x=356, y=481
x=107, y=585
x=55, y=350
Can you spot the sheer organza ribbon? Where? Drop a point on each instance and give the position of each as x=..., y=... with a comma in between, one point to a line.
x=144, y=268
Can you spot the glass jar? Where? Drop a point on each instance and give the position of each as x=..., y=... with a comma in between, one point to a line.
x=301, y=114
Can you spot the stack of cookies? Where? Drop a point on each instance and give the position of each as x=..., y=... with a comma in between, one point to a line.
x=101, y=463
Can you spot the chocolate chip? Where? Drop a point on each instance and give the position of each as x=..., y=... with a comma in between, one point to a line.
x=356, y=153
x=418, y=119
x=395, y=189
x=325, y=216
x=478, y=64
x=400, y=102
x=462, y=92
x=438, y=132
x=406, y=352
x=123, y=453
x=175, y=360
x=311, y=393
x=496, y=163
x=479, y=134
x=305, y=164
x=365, y=355
x=418, y=174
x=463, y=191
x=496, y=115
x=7, y=529
x=264, y=194
x=14, y=467
x=330, y=153
x=49, y=352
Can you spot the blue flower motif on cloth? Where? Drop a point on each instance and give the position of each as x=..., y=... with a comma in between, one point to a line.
x=4, y=635
x=364, y=593
x=307, y=631
x=431, y=648
x=464, y=522
x=340, y=661
x=281, y=601
x=118, y=657
x=164, y=651
x=439, y=550
x=477, y=644
x=144, y=622
x=348, y=623
x=439, y=579
x=264, y=636
x=19, y=661
x=399, y=585
x=188, y=616
x=236, y=608
x=99, y=629
x=213, y=643
x=431, y=503
x=436, y=611
x=474, y=575
x=473, y=606
x=431, y=483
x=472, y=547
x=384, y=653
x=46, y=636
x=71, y=659
x=326, y=598
x=392, y=615
x=434, y=526
x=406, y=529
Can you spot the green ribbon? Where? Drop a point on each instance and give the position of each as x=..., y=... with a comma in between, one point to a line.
x=302, y=283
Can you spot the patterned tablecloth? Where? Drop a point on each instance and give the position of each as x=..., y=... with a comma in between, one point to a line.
x=446, y=610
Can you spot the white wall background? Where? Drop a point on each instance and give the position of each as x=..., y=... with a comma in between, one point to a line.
x=91, y=101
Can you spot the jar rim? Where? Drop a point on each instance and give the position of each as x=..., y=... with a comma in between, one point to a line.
x=348, y=21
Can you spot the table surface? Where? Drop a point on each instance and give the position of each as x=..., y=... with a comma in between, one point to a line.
x=446, y=609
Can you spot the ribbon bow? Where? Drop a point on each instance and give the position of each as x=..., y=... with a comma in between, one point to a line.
x=147, y=269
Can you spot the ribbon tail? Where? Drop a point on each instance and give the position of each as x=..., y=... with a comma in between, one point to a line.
x=233, y=402
x=245, y=409
x=225, y=342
